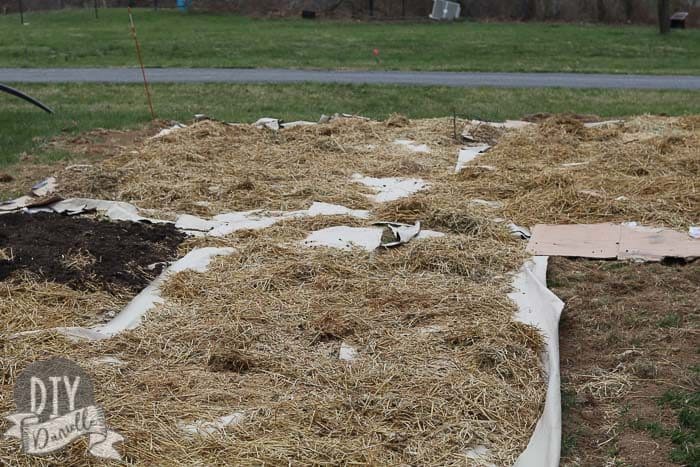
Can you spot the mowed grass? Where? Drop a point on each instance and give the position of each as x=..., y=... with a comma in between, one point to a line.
x=24, y=128
x=74, y=38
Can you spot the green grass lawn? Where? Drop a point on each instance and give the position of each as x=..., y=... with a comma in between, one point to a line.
x=74, y=38
x=83, y=107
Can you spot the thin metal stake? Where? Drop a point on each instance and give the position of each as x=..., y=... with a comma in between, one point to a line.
x=94, y=5
x=454, y=124
x=143, y=70
x=21, y=13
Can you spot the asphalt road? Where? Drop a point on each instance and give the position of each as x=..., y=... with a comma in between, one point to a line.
x=422, y=78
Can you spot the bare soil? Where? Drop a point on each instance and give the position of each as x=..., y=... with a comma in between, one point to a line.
x=85, y=253
x=629, y=361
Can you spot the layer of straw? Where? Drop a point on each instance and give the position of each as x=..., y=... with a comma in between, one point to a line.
x=441, y=368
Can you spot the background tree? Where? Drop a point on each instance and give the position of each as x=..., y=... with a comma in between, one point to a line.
x=664, y=16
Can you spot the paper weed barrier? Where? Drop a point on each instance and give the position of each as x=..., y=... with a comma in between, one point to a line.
x=412, y=355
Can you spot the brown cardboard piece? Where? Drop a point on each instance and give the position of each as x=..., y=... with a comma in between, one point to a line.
x=621, y=241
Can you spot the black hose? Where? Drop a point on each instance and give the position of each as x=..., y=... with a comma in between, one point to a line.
x=27, y=98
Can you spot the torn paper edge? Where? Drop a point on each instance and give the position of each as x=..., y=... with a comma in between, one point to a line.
x=481, y=455
x=166, y=131
x=468, y=154
x=368, y=238
x=347, y=353
x=224, y=224
x=44, y=187
x=267, y=122
x=208, y=428
x=390, y=188
x=603, y=124
x=488, y=204
x=131, y=316
x=412, y=145
x=107, y=360
x=506, y=125
x=115, y=210
x=574, y=164
x=540, y=307
x=297, y=123
x=38, y=195
x=219, y=226
x=403, y=233
x=345, y=238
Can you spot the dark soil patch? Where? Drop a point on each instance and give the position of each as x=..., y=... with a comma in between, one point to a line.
x=630, y=362
x=85, y=253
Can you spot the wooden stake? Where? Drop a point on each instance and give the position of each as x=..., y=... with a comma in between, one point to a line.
x=143, y=70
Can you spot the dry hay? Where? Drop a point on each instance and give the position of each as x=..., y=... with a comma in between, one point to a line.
x=212, y=167
x=442, y=367
x=647, y=170
x=28, y=303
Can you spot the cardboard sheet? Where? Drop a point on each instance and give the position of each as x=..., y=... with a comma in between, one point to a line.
x=621, y=241
x=44, y=187
x=590, y=241
x=654, y=244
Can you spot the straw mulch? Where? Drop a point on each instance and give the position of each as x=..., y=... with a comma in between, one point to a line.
x=213, y=167
x=646, y=170
x=28, y=303
x=441, y=365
